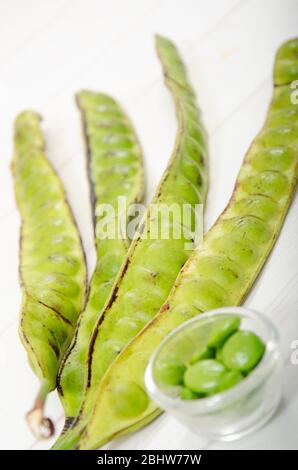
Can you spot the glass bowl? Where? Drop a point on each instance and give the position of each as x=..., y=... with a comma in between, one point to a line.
x=241, y=409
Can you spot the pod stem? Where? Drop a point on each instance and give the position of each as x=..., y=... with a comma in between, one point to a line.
x=41, y=427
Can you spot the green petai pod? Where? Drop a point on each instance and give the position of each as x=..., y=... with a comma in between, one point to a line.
x=114, y=164
x=154, y=258
x=222, y=270
x=52, y=263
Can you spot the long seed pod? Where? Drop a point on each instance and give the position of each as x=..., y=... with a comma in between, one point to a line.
x=52, y=264
x=221, y=271
x=153, y=260
x=114, y=164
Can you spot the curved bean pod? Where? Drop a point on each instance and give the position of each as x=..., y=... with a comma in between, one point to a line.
x=221, y=271
x=153, y=263
x=115, y=169
x=52, y=264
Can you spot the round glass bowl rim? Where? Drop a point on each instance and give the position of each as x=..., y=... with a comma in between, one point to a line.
x=257, y=376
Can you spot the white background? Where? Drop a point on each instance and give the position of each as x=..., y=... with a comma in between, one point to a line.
x=49, y=50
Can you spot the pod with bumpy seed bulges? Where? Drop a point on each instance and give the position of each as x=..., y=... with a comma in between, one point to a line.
x=52, y=263
x=153, y=262
x=114, y=166
x=222, y=270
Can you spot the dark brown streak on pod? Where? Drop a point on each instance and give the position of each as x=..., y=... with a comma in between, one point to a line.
x=111, y=300
x=54, y=348
x=23, y=333
x=165, y=307
x=64, y=359
x=68, y=423
x=59, y=314
x=278, y=85
x=94, y=199
x=24, y=336
x=58, y=378
x=93, y=205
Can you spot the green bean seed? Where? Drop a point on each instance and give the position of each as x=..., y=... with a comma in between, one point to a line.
x=204, y=376
x=169, y=372
x=187, y=394
x=242, y=351
x=203, y=353
x=229, y=380
x=218, y=354
x=132, y=401
x=221, y=330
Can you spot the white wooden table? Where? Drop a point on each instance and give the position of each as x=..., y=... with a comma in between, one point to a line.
x=49, y=50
